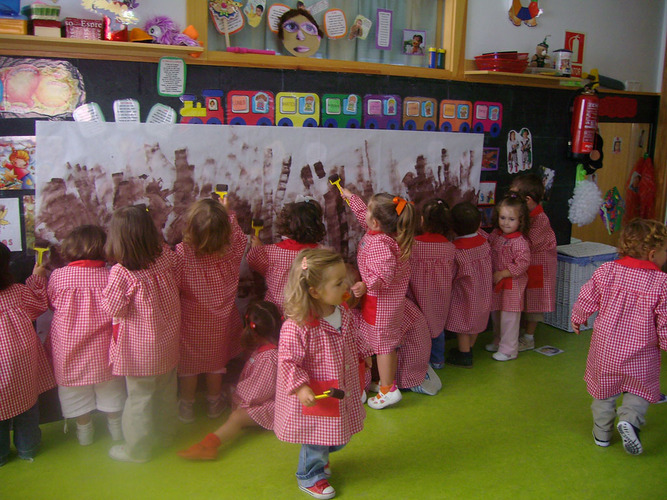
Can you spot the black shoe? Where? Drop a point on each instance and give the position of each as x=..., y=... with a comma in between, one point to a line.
x=630, y=435
x=458, y=358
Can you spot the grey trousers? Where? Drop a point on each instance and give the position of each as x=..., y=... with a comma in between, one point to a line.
x=632, y=409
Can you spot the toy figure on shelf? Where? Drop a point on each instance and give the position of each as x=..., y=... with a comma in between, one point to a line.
x=165, y=31
x=541, y=58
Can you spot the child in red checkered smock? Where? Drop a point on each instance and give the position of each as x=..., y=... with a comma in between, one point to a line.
x=24, y=370
x=211, y=252
x=254, y=398
x=383, y=259
x=319, y=350
x=542, y=273
x=472, y=284
x=301, y=226
x=81, y=334
x=143, y=298
x=510, y=253
x=630, y=295
x=432, y=271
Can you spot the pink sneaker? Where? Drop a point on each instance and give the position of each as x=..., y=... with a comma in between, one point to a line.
x=321, y=489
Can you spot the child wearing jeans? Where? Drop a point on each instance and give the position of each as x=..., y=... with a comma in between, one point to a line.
x=24, y=370
x=630, y=295
x=319, y=350
x=81, y=333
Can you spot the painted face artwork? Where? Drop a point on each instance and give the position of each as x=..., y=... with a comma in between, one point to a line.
x=300, y=37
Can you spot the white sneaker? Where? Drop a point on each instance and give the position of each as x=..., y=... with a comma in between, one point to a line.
x=119, y=452
x=85, y=433
x=499, y=356
x=185, y=412
x=526, y=344
x=115, y=428
x=374, y=387
x=431, y=384
x=491, y=347
x=630, y=435
x=383, y=400
x=215, y=407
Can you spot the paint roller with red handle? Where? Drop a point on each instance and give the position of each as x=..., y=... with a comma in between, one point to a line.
x=332, y=393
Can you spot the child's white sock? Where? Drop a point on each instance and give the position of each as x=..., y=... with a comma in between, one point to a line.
x=115, y=428
x=85, y=433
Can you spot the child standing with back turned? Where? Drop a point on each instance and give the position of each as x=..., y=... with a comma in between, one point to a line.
x=542, y=273
x=510, y=255
x=211, y=253
x=142, y=297
x=319, y=350
x=631, y=327
x=383, y=259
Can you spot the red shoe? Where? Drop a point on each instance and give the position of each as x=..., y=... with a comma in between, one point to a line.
x=206, y=449
x=321, y=489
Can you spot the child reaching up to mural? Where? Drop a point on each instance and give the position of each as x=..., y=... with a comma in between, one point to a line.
x=511, y=258
x=541, y=287
x=383, y=259
x=81, y=333
x=254, y=397
x=300, y=224
x=630, y=295
x=25, y=372
x=319, y=350
x=211, y=253
x=142, y=297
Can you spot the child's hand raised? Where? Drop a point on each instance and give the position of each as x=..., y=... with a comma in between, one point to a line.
x=359, y=289
x=39, y=271
x=255, y=242
x=306, y=395
x=345, y=193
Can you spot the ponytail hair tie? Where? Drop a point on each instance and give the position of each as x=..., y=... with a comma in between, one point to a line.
x=304, y=264
x=400, y=204
x=253, y=325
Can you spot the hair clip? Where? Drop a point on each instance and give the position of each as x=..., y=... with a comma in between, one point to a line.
x=400, y=204
x=303, y=199
x=253, y=325
x=304, y=264
x=439, y=202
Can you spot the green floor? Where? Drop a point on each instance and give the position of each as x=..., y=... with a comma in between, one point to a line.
x=520, y=429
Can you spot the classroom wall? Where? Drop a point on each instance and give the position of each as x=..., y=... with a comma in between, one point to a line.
x=625, y=39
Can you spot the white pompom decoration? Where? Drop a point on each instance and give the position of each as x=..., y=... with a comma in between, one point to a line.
x=585, y=203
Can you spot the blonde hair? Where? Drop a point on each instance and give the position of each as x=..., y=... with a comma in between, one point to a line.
x=308, y=270
x=208, y=229
x=641, y=236
x=401, y=227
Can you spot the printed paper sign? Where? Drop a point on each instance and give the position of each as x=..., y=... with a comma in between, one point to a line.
x=126, y=110
x=575, y=42
x=335, y=24
x=171, y=77
x=318, y=7
x=275, y=11
x=384, y=26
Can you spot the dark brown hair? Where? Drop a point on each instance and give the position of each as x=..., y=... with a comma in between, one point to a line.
x=465, y=218
x=437, y=217
x=133, y=238
x=208, y=229
x=262, y=321
x=302, y=221
x=293, y=13
x=528, y=184
x=84, y=243
x=402, y=227
x=641, y=236
x=518, y=202
x=6, y=277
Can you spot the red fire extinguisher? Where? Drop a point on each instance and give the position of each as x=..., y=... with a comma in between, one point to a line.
x=584, y=123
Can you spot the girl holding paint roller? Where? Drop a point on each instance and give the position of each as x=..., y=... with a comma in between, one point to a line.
x=319, y=351
x=254, y=398
x=211, y=252
x=300, y=224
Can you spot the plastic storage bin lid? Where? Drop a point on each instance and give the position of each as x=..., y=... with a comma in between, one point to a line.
x=585, y=252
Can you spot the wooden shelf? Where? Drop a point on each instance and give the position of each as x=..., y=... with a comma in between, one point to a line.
x=527, y=79
x=38, y=46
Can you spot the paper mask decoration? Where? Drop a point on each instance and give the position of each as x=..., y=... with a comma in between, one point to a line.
x=254, y=10
x=300, y=33
x=226, y=16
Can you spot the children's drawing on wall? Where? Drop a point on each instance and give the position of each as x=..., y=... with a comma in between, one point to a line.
x=548, y=176
x=616, y=145
x=254, y=10
x=226, y=16
x=413, y=42
x=487, y=193
x=38, y=88
x=526, y=141
x=512, y=152
x=10, y=224
x=487, y=216
x=360, y=28
x=81, y=179
x=29, y=220
x=17, y=157
x=524, y=11
x=519, y=151
x=490, y=158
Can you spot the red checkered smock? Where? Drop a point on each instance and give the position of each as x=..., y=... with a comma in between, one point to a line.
x=511, y=252
x=629, y=330
x=386, y=278
x=274, y=262
x=81, y=331
x=146, y=309
x=256, y=389
x=415, y=349
x=431, y=274
x=472, y=286
x=542, y=273
x=319, y=355
x=24, y=370
x=210, y=322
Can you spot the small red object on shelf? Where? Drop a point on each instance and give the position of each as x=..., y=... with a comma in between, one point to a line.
x=510, y=62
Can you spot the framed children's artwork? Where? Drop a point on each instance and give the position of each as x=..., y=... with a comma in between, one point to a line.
x=413, y=42
x=490, y=158
x=487, y=216
x=10, y=223
x=487, y=193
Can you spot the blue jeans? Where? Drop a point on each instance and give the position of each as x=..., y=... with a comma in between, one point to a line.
x=438, y=349
x=312, y=459
x=27, y=434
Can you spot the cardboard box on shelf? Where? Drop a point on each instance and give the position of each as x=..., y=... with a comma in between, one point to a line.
x=44, y=27
x=87, y=29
